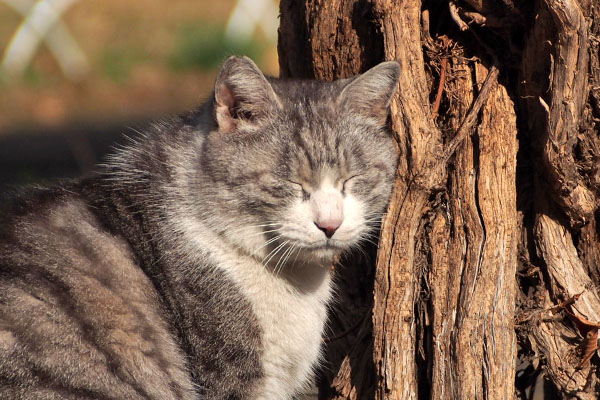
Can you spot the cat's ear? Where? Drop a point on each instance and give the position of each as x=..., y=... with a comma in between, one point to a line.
x=242, y=94
x=370, y=94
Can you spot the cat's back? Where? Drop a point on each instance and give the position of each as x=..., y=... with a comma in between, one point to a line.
x=78, y=317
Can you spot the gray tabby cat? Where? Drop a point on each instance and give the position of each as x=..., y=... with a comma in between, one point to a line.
x=196, y=264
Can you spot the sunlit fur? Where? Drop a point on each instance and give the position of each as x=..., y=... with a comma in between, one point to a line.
x=218, y=211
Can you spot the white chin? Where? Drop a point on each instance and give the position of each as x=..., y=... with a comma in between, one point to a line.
x=325, y=253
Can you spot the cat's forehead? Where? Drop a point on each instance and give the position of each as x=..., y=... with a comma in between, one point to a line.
x=306, y=91
x=310, y=107
x=314, y=135
x=318, y=147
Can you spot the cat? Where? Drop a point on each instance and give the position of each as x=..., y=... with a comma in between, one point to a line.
x=196, y=263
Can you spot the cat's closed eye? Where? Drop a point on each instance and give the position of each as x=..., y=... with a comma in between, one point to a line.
x=348, y=182
x=302, y=188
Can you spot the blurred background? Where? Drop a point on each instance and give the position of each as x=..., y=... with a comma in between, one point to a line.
x=77, y=75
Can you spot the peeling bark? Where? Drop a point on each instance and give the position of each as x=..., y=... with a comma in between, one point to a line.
x=561, y=96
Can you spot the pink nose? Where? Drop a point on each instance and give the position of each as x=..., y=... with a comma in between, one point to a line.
x=328, y=227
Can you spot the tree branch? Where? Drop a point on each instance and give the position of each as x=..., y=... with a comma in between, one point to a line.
x=469, y=123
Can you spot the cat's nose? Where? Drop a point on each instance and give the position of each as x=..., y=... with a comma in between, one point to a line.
x=327, y=206
x=328, y=227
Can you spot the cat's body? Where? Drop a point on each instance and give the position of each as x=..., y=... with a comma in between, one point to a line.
x=196, y=264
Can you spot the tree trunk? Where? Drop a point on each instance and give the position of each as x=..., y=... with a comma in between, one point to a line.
x=484, y=283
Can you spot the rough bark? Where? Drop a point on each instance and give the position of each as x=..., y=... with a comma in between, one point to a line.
x=493, y=219
x=474, y=248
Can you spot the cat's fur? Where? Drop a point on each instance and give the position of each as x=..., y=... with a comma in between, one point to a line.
x=196, y=264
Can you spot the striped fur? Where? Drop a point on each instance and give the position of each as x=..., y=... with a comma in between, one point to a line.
x=194, y=264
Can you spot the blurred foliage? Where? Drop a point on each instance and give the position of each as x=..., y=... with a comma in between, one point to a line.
x=118, y=62
x=33, y=76
x=203, y=45
x=147, y=59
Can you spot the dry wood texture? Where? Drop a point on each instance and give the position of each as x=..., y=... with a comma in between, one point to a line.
x=493, y=224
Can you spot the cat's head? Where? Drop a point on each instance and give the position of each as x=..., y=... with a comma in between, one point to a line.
x=301, y=170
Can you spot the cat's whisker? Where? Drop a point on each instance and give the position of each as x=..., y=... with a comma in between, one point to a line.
x=272, y=250
x=279, y=261
x=276, y=225
x=368, y=240
x=361, y=250
x=294, y=247
x=268, y=242
x=370, y=234
x=285, y=256
x=280, y=258
x=257, y=233
x=299, y=250
x=273, y=253
x=266, y=225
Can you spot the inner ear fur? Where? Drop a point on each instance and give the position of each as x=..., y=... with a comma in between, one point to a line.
x=242, y=93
